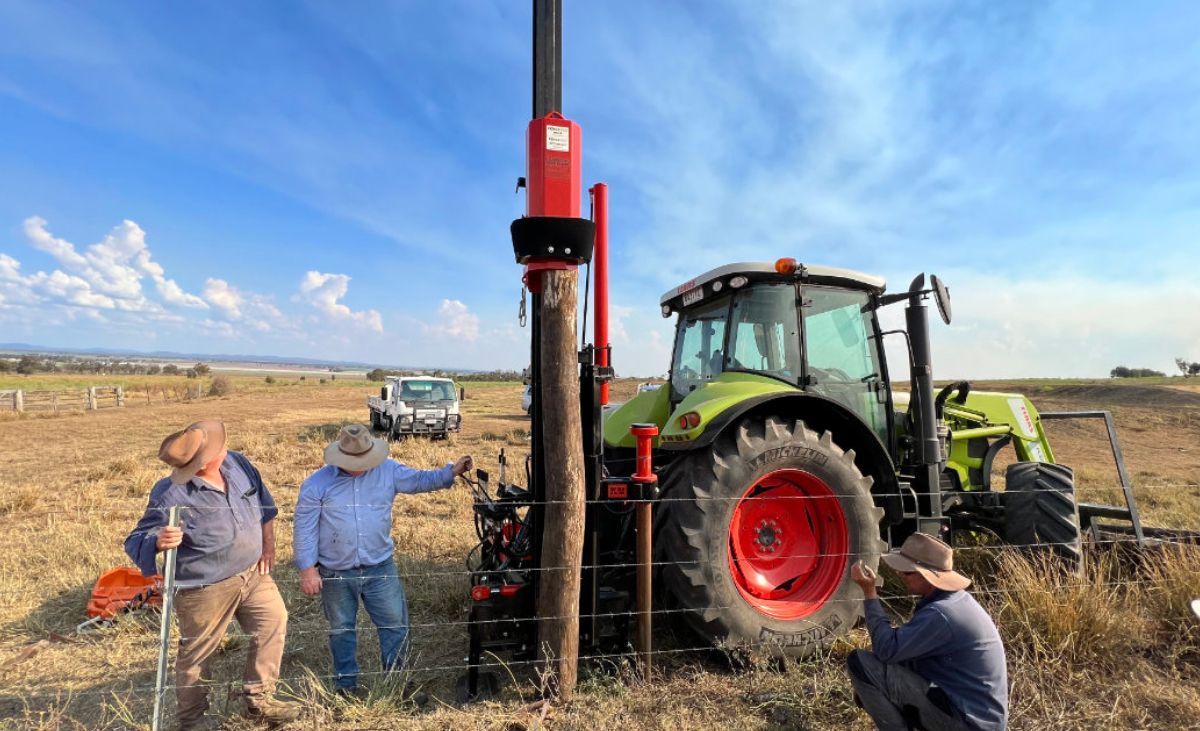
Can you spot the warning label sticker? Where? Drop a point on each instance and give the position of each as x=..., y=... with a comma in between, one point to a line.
x=558, y=139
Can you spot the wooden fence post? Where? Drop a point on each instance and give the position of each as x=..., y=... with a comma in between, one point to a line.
x=19, y=400
x=91, y=398
x=54, y=400
x=563, y=525
x=120, y=395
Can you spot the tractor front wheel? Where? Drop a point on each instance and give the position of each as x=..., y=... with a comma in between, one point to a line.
x=1040, y=513
x=758, y=535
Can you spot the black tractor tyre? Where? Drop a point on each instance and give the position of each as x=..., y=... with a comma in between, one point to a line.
x=375, y=426
x=692, y=537
x=1040, y=512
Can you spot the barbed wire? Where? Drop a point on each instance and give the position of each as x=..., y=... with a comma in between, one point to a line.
x=1009, y=547
x=141, y=506
x=634, y=613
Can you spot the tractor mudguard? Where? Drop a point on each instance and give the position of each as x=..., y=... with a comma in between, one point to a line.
x=648, y=407
x=819, y=414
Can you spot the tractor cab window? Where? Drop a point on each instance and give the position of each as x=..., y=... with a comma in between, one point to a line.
x=765, y=332
x=699, y=347
x=842, y=352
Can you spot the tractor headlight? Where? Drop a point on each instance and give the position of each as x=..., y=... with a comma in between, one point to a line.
x=405, y=420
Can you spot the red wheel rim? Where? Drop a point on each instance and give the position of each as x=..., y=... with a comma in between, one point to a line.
x=788, y=544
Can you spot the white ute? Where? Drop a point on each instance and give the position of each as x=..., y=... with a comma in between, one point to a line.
x=415, y=405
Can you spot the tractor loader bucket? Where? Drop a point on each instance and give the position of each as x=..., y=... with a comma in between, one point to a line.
x=1091, y=515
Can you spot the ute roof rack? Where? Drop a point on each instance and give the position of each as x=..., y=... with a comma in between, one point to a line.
x=715, y=279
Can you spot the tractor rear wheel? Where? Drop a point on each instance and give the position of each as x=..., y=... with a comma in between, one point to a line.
x=1040, y=512
x=758, y=534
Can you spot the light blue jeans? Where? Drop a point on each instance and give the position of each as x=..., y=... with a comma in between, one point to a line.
x=382, y=594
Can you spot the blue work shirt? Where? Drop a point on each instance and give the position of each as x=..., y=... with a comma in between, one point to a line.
x=344, y=522
x=953, y=643
x=222, y=530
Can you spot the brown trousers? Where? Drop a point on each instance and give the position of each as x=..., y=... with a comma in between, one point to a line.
x=204, y=614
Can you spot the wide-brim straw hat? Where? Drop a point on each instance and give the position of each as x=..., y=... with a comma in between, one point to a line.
x=187, y=451
x=930, y=558
x=356, y=450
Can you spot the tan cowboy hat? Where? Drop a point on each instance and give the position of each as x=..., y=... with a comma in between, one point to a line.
x=189, y=450
x=930, y=558
x=356, y=450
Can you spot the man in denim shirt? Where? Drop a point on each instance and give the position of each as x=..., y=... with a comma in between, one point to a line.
x=343, y=545
x=226, y=551
x=943, y=670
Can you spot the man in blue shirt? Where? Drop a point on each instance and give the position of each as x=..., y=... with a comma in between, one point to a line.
x=343, y=545
x=942, y=670
x=226, y=551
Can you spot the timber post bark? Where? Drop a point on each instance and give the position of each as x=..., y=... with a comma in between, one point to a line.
x=563, y=522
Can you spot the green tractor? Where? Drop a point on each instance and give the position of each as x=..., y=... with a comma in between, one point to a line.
x=785, y=456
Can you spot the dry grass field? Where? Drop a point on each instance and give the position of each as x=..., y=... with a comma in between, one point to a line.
x=1115, y=649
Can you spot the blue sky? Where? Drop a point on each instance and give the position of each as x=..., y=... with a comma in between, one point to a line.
x=335, y=180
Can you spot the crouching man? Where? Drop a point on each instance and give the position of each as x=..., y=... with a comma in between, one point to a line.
x=942, y=670
x=343, y=545
x=226, y=550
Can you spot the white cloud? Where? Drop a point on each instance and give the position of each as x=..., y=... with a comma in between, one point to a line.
x=454, y=321
x=108, y=274
x=323, y=292
x=1056, y=326
x=224, y=296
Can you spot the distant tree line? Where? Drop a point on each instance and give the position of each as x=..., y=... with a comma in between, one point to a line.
x=1187, y=368
x=379, y=374
x=31, y=364
x=1123, y=372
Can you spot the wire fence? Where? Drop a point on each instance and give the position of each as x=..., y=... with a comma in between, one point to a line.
x=457, y=624
x=126, y=506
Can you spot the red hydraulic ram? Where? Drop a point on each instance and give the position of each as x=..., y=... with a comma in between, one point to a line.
x=600, y=257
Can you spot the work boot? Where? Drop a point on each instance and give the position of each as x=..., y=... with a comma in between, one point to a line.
x=272, y=711
x=356, y=693
x=414, y=693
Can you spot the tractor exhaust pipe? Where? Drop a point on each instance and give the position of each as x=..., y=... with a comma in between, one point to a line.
x=929, y=445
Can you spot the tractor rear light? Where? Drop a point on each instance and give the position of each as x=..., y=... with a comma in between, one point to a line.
x=718, y=285
x=666, y=310
x=690, y=420
x=739, y=281
x=480, y=593
x=509, y=590
x=786, y=265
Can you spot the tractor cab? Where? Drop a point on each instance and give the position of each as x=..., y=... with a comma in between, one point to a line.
x=751, y=329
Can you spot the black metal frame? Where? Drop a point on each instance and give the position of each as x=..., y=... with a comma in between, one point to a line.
x=1087, y=511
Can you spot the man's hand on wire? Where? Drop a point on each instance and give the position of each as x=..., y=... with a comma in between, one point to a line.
x=310, y=581
x=865, y=577
x=169, y=536
x=463, y=465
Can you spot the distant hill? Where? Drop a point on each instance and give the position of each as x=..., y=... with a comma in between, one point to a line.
x=17, y=348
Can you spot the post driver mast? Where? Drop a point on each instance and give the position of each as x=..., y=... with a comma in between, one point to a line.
x=551, y=572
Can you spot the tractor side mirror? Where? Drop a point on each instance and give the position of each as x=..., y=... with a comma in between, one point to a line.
x=941, y=295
